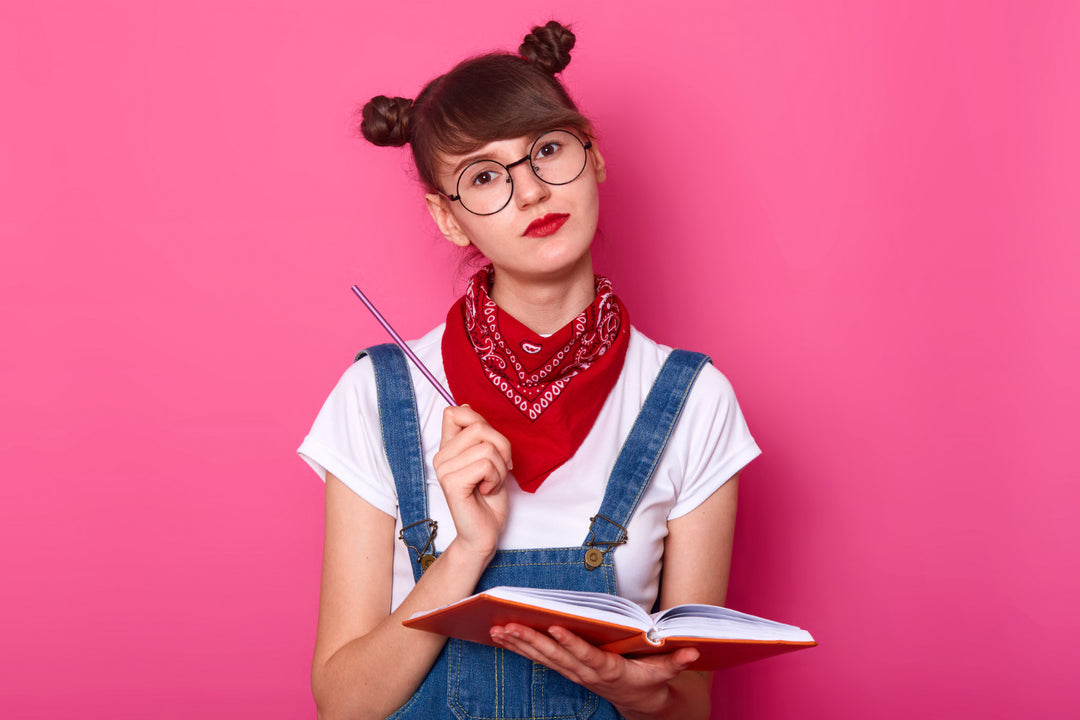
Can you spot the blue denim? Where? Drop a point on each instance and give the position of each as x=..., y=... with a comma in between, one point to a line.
x=476, y=682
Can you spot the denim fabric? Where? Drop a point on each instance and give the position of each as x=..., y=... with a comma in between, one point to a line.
x=476, y=682
x=400, y=427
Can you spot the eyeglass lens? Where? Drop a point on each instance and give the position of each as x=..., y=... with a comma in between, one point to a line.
x=557, y=157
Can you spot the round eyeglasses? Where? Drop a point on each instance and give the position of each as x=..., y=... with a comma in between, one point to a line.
x=557, y=157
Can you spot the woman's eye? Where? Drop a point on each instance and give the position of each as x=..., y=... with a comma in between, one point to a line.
x=482, y=178
x=547, y=150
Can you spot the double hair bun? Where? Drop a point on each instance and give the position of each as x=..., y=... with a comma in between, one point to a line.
x=385, y=120
x=548, y=47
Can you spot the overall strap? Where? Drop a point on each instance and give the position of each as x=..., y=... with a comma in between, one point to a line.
x=641, y=453
x=400, y=427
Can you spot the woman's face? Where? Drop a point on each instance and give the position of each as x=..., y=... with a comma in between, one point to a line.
x=543, y=233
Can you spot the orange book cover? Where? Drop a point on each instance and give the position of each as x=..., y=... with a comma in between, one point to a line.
x=724, y=637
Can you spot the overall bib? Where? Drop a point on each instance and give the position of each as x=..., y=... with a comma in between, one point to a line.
x=476, y=682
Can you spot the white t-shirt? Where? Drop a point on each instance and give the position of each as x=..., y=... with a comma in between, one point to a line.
x=709, y=445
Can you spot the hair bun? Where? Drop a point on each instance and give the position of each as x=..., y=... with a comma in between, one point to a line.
x=548, y=47
x=385, y=120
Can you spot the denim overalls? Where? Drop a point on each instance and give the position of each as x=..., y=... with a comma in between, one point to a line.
x=476, y=682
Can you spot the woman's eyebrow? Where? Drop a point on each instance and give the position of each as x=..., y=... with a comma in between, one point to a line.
x=467, y=161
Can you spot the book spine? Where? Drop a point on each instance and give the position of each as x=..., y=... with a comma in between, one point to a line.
x=633, y=644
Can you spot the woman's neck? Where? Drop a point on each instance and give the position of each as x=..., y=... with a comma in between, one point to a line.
x=545, y=305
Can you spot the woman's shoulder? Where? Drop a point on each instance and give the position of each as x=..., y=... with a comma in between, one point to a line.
x=360, y=390
x=646, y=357
x=428, y=348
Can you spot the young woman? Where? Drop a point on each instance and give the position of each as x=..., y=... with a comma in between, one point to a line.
x=583, y=455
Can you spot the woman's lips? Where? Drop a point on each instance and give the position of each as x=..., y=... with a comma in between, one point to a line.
x=542, y=227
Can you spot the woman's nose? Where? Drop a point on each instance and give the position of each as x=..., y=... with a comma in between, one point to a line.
x=528, y=188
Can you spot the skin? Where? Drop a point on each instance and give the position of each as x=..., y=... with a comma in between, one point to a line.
x=544, y=283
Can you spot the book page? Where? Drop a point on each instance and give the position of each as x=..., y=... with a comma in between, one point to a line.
x=709, y=621
x=600, y=606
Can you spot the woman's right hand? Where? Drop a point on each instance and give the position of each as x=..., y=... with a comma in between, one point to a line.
x=472, y=464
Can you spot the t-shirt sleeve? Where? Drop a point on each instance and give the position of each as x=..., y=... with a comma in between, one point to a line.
x=713, y=434
x=346, y=439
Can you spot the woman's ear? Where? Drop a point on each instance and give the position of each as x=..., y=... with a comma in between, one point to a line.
x=439, y=207
x=599, y=169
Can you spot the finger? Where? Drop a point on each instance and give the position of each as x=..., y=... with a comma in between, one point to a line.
x=525, y=637
x=490, y=486
x=463, y=415
x=666, y=666
x=500, y=442
x=539, y=648
x=478, y=467
x=685, y=657
x=492, y=474
x=477, y=434
x=454, y=419
x=465, y=484
x=482, y=432
x=488, y=469
x=583, y=651
x=470, y=427
x=454, y=458
x=583, y=657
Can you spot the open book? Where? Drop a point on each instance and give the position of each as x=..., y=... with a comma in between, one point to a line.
x=724, y=637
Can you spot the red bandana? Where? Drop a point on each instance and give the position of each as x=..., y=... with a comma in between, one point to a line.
x=542, y=393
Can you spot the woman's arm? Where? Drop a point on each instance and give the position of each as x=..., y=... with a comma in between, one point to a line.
x=697, y=558
x=358, y=638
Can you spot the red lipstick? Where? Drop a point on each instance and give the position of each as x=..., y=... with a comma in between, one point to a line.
x=542, y=227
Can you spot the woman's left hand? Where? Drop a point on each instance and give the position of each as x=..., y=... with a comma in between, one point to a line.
x=637, y=687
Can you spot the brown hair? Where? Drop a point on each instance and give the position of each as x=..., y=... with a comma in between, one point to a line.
x=497, y=96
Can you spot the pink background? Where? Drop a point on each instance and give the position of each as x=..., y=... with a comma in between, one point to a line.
x=866, y=212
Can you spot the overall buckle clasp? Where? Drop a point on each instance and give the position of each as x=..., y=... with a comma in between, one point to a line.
x=426, y=554
x=594, y=556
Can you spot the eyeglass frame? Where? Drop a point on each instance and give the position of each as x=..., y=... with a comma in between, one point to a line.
x=586, y=145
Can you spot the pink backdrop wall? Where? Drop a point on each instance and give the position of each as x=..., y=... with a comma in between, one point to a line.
x=866, y=212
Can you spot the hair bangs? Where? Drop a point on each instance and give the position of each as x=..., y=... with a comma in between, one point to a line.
x=486, y=99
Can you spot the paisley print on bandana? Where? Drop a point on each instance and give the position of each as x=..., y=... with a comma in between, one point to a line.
x=532, y=390
x=542, y=392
